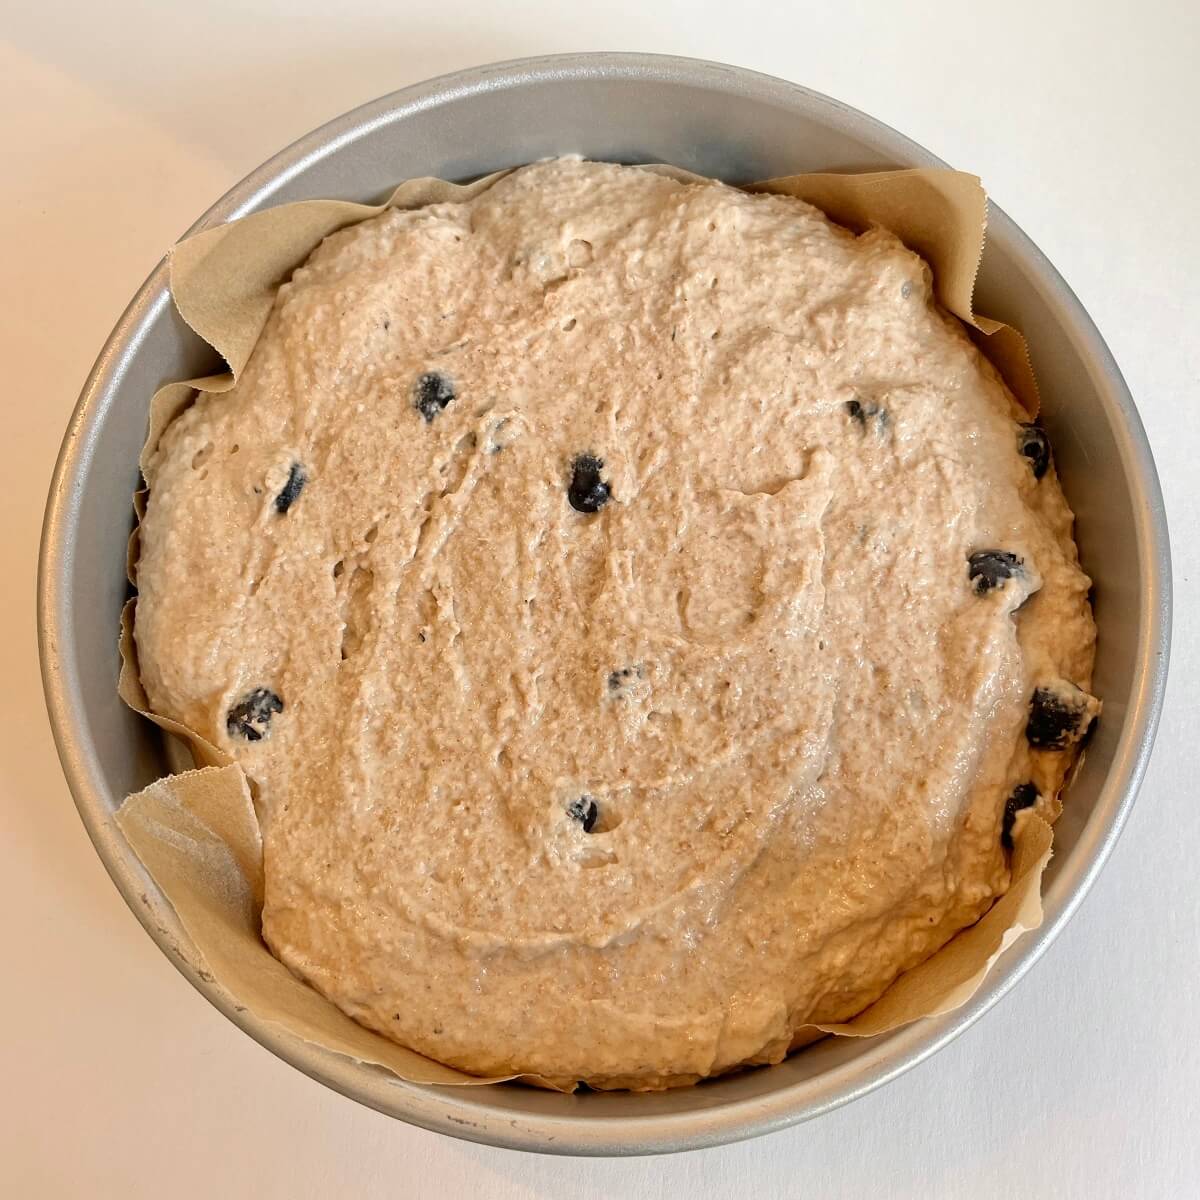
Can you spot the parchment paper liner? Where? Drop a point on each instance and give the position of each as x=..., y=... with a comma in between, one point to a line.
x=197, y=833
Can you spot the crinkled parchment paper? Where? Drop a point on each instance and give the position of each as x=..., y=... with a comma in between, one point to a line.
x=197, y=833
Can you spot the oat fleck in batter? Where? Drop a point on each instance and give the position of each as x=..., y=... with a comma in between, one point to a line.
x=640, y=610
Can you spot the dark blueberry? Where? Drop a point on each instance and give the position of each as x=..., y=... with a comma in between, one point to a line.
x=431, y=393
x=297, y=478
x=620, y=679
x=585, y=811
x=1057, y=717
x=1036, y=447
x=867, y=413
x=988, y=569
x=588, y=493
x=1024, y=795
x=251, y=716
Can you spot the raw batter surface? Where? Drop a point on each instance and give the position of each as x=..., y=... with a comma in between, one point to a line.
x=641, y=614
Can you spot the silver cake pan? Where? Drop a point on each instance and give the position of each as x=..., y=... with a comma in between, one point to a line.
x=716, y=120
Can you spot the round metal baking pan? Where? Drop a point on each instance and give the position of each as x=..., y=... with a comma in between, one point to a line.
x=716, y=120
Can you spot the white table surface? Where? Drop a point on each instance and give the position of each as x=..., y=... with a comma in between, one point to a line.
x=120, y=122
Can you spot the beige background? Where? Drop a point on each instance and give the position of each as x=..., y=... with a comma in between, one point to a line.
x=157, y=111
